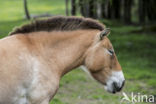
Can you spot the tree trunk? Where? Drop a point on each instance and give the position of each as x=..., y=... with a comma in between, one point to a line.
x=67, y=9
x=108, y=9
x=99, y=10
x=127, y=11
x=84, y=8
x=103, y=9
x=81, y=4
x=26, y=10
x=151, y=10
x=142, y=11
x=116, y=5
x=91, y=8
x=73, y=7
x=109, y=12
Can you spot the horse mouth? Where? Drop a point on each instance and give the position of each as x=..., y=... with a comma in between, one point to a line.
x=115, y=82
x=114, y=87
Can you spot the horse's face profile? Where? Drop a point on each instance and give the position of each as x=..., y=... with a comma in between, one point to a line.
x=103, y=64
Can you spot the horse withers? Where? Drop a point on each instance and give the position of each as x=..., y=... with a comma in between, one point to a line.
x=35, y=56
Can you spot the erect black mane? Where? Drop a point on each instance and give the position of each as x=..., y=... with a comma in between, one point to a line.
x=59, y=23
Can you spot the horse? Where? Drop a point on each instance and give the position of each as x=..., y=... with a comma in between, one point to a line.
x=35, y=56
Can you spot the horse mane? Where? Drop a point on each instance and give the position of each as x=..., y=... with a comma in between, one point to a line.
x=59, y=23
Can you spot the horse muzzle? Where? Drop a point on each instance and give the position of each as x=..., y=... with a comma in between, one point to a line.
x=115, y=82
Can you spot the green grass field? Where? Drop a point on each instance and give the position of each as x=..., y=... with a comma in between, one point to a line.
x=136, y=53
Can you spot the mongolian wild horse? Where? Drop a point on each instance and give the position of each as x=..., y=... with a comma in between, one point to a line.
x=35, y=56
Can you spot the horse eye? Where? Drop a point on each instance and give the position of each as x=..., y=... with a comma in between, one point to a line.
x=111, y=51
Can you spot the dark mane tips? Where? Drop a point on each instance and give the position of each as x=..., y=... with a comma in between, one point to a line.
x=59, y=23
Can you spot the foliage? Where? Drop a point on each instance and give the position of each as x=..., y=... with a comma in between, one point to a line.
x=136, y=53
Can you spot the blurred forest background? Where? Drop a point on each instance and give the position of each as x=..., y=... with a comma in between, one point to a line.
x=133, y=35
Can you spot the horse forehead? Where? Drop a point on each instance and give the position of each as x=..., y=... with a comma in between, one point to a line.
x=106, y=43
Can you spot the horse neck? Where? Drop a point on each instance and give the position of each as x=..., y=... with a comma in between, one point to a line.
x=65, y=50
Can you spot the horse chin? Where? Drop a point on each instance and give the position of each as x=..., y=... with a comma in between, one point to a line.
x=108, y=89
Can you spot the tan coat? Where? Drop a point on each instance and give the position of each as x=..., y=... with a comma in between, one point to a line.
x=32, y=63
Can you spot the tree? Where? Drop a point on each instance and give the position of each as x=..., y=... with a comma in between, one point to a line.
x=108, y=9
x=84, y=8
x=91, y=8
x=81, y=2
x=151, y=10
x=146, y=11
x=113, y=8
x=142, y=11
x=26, y=10
x=116, y=9
x=103, y=9
x=67, y=9
x=127, y=11
x=98, y=10
x=73, y=7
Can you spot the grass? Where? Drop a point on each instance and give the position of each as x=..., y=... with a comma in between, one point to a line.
x=136, y=53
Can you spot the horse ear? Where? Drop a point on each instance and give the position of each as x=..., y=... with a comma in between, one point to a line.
x=105, y=32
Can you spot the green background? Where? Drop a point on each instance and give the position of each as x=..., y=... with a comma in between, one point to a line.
x=136, y=52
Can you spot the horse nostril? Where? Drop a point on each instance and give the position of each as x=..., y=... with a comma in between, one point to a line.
x=116, y=87
x=123, y=84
